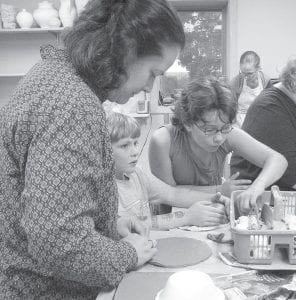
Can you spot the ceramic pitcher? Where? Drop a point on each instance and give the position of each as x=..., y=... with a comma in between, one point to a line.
x=67, y=12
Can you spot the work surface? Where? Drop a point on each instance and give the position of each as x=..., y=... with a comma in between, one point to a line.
x=213, y=265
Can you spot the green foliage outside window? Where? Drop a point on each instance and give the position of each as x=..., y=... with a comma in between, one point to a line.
x=203, y=50
x=202, y=54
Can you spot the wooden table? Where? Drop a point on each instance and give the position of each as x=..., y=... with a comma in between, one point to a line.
x=212, y=265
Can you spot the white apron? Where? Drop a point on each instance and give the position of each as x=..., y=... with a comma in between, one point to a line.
x=245, y=99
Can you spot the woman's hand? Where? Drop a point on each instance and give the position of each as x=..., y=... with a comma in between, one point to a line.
x=233, y=184
x=127, y=225
x=145, y=248
x=247, y=199
x=206, y=213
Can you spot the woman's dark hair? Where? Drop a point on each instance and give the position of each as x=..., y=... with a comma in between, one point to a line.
x=202, y=95
x=108, y=31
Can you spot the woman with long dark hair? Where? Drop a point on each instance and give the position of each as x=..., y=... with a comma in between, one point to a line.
x=60, y=236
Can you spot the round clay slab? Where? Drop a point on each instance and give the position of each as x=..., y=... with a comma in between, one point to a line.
x=177, y=252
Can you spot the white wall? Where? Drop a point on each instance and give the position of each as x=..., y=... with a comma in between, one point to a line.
x=265, y=26
x=29, y=5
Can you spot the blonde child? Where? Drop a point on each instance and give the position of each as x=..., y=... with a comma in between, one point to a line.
x=138, y=191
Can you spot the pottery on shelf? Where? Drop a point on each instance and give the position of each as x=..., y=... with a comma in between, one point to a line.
x=80, y=4
x=54, y=22
x=44, y=13
x=24, y=19
x=67, y=12
x=8, y=16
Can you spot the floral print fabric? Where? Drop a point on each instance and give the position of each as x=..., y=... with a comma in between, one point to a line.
x=58, y=196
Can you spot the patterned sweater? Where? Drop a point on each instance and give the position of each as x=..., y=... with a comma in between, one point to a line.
x=58, y=196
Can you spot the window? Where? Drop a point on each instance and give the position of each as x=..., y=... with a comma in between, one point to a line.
x=204, y=50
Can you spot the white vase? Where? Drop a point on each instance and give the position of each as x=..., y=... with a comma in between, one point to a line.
x=24, y=19
x=67, y=12
x=44, y=13
x=80, y=5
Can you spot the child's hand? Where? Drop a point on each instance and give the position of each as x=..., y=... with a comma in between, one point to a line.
x=219, y=198
x=204, y=213
x=233, y=184
x=247, y=199
x=224, y=208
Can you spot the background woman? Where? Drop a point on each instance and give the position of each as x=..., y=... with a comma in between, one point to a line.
x=272, y=121
x=59, y=199
x=248, y=84
x=192, y=150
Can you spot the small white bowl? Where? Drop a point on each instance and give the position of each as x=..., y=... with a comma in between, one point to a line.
x=190, y=285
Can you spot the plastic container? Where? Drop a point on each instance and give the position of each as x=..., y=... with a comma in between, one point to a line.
x=143, y=104
x=258, y=246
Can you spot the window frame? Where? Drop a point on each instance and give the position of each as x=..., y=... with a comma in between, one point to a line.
x=201, y=5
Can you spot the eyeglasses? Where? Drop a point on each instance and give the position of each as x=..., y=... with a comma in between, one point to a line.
x=213, y=131
x=248, y=74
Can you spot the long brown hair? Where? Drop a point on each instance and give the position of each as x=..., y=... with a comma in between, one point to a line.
x=107, y=31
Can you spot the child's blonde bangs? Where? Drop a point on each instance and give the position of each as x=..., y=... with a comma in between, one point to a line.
x=122, y=126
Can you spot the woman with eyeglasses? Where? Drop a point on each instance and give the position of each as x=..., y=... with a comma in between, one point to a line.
x=248, y=84
x=193, y=148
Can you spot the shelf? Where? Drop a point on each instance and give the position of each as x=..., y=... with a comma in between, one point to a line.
x=11, y=75
x=32, y=30
x=161, y=110
x=135, y=115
